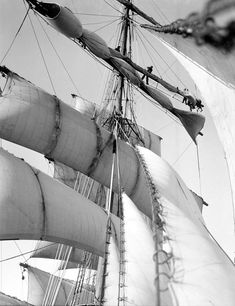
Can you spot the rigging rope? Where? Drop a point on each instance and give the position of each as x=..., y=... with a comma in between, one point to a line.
x=199, y=170
x=144, y=45
x=9, y=48
x=20, y=250
x=165, y=62
x=232, y=193
x=25, y=253
x=42, y=55
x=56, y=52
x=184, y=151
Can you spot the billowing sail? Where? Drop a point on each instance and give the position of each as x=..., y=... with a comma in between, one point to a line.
x=32, y=118
x=111, y=284
x=6, y=300
x=38, y=207
x=201, y=273
x=139, y=250
x=81, y=183
x=219, y=98
x=45, y=249
x=130, y=272
x=38, y=285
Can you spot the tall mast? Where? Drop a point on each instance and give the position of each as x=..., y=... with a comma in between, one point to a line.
x=123, y=38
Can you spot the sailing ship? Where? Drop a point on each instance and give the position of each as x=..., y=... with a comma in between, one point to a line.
x=116, y=212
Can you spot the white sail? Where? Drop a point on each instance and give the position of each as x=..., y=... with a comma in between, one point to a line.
x=202, y=274
x=111, y=284
x=219, y=98
x=133, y=263
x=48, y=250
x=139, y=250
x=38, y=281
x=38, y=207
x=30, y=117
x=37, y=285
x=148, y=138
x=6, y=300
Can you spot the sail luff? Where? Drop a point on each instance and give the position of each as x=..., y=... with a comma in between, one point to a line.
x=219, y=98
x=201, y=273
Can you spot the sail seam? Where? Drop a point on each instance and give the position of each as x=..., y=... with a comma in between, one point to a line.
x=43, y=230
x=55, y=132
x=99, y=149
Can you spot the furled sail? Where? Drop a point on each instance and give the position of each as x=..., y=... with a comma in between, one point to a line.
x=202, y=274
x=61, y=18
x=34, y=208
x=38, y=283
x=95, y=44
x=193, y=123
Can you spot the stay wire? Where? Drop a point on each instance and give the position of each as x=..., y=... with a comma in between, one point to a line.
x=20, y=251
x=113, y=7
x=97, y=15
x=199, y=170
x=144, y=45
x=159, y=10
x=158, y=106
x=183, y=152
x=62, y=63
x=107, y=24
x=165, y=62
x=18, y=31
x=42, y=55
x=25, y=253
x=231, y=190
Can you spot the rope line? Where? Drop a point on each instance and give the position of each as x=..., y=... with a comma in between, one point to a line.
x=42, y=55
x=25, y=253
x=9, y=48
x=57, y=54
x=199, y=170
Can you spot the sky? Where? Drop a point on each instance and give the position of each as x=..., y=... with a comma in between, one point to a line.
x=24, y=57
